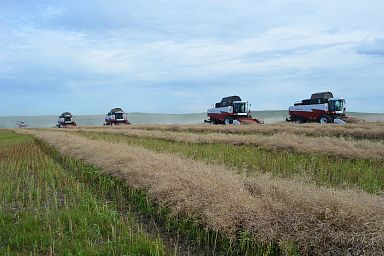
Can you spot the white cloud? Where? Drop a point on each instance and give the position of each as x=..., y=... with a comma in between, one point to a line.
x=284, y=48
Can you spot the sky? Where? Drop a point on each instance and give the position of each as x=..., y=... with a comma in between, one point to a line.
x=168, y=56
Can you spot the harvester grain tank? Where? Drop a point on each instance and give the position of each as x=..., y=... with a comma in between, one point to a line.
x=66, y=120
x=322, y=107
x=116, y=117
x=231, y=110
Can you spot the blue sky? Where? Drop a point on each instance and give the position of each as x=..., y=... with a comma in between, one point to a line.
x=181, y=56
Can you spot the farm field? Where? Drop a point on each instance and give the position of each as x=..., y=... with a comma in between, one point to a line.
x=47, y=210
x=279, y=189
x=357, y=131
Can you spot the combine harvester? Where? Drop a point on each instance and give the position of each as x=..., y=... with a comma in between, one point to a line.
x=231, y=110
x=66, y=120
x=116, y=117
x=21, y=124
x=322, y=107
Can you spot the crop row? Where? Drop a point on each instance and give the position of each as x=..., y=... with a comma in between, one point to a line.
x=339, y=147
x=371, y=131
x=202, y=238
x=288, y=213
x=314, y=168
x=44, y=210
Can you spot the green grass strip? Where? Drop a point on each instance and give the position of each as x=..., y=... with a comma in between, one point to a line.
x=46, y=211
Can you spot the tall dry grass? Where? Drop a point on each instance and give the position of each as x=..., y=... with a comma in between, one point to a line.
x=348, y=148
x=321, y=221
x=370, y=131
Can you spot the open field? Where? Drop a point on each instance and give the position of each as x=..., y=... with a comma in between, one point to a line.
x=44, y=210
x=234, y=193
x=370, y=131
x=342, y=147
x=251, y=161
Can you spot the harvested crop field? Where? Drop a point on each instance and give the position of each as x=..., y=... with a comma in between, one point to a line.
x=247, y=190
x=357, y=131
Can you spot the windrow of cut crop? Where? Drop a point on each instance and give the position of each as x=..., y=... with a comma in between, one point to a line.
x=340, y=147
x=250, y=160
x=212, y=241
x=188, y=235
x=369, y=131
x=46, y=211
x=263, y=209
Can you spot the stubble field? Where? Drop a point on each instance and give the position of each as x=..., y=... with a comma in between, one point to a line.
x=280, y=189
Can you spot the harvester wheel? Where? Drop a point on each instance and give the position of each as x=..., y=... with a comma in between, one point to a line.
x=325, y=119
x=299, y=120
x=228, y=120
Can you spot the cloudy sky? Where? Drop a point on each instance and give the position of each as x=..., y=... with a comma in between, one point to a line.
x=173, y=56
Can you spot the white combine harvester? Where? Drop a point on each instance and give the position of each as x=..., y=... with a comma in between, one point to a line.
x=231, y=110
x=116, y=117
x=322, y=107
x=66, y=120
x=21, y=124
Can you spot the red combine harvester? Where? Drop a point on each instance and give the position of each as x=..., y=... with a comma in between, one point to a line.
x=231, y=110
x=116, y=117
x=66, y=120
x=322, y=107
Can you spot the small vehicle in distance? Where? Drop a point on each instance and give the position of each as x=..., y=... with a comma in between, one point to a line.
x=21, y=124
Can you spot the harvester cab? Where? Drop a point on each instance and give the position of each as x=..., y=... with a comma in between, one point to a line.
x=241, y=107
x=337, y=106
x=66, y=120
x=231, y=110
x=116, y=117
